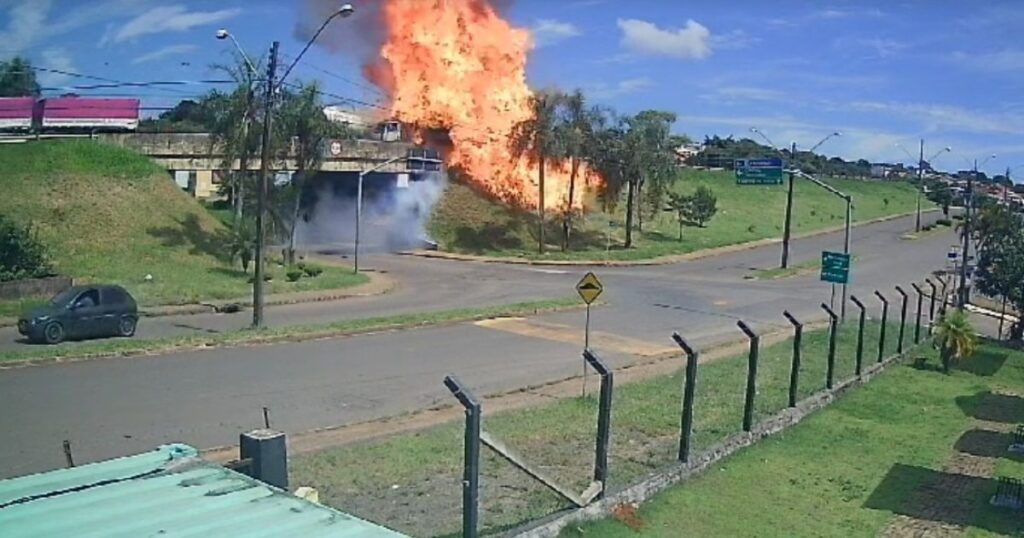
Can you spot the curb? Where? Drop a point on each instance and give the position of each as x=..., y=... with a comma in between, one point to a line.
x=379, y=284
x=661, y=260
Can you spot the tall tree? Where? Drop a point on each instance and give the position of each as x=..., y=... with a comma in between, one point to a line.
x=575, y=130
x=18, y=78
x=303, y=121
x=653, y=161
x=536, y=139
x=235, y=126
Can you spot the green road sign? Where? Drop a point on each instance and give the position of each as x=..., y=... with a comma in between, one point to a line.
x=758, y=171
x=835, y=267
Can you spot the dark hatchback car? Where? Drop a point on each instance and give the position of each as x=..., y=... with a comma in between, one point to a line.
x=82, y=312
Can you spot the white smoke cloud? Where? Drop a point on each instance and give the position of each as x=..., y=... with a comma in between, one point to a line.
x=393, y=219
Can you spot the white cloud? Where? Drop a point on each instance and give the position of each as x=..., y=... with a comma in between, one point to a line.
x=945, y=117
x=549, y=31
x=58, y=59
x=692, y=42
x=162, y=19
x=1003, y=60
x=169, y=50
x=604, y=91
x=734, y=94
x=736, y=39
x=27, y=21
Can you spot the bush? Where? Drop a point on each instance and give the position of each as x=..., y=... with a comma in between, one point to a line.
x=21, y=253
x=311, y=270
x=294, y=274
x=944, y=222
x=267, y=277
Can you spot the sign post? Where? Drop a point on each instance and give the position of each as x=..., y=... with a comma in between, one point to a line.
x=589, y=288
x=758, y=171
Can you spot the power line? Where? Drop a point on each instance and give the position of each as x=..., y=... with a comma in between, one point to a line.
x=341, y=78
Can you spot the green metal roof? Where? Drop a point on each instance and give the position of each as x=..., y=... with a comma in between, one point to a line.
x=167, y=492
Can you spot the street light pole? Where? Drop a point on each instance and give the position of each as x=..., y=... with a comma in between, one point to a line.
x=967, y=233
x=261, y=194
x=920, y=186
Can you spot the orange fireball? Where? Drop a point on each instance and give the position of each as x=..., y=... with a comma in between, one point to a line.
x=457, y=65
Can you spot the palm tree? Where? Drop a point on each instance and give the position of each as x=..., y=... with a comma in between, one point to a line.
x=956, y=337
x=242, y=241
x=536, y=139
x=302, y=117
x=234, y=130
x=575, y=131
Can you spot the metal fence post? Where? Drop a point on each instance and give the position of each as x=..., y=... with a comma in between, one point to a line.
x=604, y=420
x=748, y=404
x=931, y=305
x=885, y=321
x=860, y=335
x=920, y=303
x=833, y=325
x=903, y=320
x=689, y=387
x=794, y=369
x=471, y=465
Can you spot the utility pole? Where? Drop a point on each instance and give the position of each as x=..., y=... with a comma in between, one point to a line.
x=261, y=195
x=789, y=208
x=920, y=187
x=967, y=237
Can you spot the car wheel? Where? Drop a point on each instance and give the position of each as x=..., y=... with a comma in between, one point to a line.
x=53, y=333
x=127, y=326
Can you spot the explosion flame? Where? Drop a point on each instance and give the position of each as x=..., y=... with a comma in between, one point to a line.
x=458, y=65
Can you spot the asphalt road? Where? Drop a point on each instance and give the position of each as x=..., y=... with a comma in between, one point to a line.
x=114, y=407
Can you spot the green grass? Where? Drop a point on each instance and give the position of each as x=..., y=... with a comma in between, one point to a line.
x=846, y=470
x=468, y=223
x=110, y=215
x=426, y=465
x=137, y=346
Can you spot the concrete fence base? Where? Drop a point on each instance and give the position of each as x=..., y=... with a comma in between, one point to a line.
x=34, y=287
x=551, y=526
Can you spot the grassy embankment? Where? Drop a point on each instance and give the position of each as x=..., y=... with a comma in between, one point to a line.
x=884, y=450
x=411, y=481
x=109, y=215
x=467, y=223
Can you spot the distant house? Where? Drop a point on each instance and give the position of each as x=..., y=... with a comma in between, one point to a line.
x=687, y=152
x=881, y=170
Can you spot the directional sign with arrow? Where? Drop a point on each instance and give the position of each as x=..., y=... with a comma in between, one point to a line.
x=589, y=288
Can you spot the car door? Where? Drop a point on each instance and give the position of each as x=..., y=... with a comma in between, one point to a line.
x=114, y=304
x=86, y=315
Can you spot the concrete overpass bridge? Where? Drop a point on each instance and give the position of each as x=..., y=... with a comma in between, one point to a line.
x=194, y=160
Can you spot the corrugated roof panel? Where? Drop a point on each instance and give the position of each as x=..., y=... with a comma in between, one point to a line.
x=168, y=492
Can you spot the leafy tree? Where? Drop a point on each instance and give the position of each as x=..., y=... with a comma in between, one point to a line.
x=701, y=206
x=956, y=337
x=18, y=78
x=302, y=119
x=536, y=139
x=21, y=253
x=1000, y=270
x=608, y=154
x=235, y=126
x=654, y=160
x=575, y=131
x=941, y=195
x=678, y=204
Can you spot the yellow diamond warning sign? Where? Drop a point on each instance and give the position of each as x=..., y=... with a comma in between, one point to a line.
x=589, y=288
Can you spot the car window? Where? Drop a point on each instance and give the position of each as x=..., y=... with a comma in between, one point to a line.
x=64, y=297
x=114, y=296
x=87, y=299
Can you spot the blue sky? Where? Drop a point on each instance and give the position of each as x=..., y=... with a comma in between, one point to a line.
x=882, y=73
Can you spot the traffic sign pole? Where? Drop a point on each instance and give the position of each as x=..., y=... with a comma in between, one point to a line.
x=589, y=288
